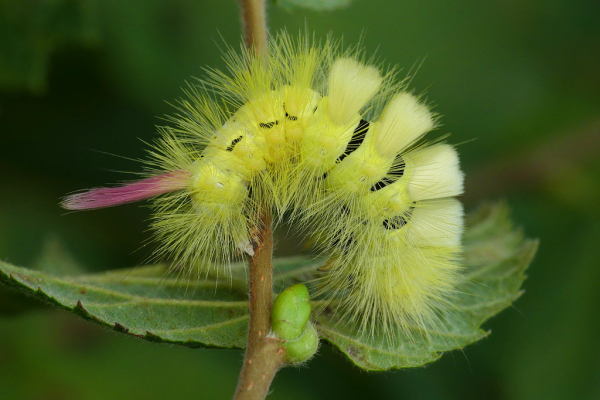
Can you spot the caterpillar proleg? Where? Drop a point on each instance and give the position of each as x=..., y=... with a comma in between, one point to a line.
x=321, y=135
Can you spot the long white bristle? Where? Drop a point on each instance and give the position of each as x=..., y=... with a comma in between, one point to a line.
x=403, y=121
x=351, y=86
x=436, y=173
x=436, y=224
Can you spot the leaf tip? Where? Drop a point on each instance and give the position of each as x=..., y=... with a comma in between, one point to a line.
x=152, y=337
x=81, y=310
x=120, y=328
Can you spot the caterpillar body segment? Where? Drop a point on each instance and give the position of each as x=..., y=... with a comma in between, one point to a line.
x=299, y=105
x=361, y=169
x=324, y=141
x=397, y=272
x=334, y=126
x=206, y=224
x=350, y=87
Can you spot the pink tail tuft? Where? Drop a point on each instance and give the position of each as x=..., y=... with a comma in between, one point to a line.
x=128, y=193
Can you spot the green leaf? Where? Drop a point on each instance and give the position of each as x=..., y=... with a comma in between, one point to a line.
x=146, y=302
x=315, y=5
x=151, y=303
x=55, y=260
x=496, y=257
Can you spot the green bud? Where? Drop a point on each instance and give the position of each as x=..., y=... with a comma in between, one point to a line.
x=305, y=347
x=290, y=312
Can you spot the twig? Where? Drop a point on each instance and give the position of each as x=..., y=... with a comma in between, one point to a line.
x=264, y=355
x=254, y=22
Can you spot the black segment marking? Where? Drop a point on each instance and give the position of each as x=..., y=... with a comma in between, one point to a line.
x=357, y=138
x=396, y=222
x=351, y=280
x=395, y=173
x=233, y=143
x=382, y=183
x=398, y=166
x=399, y=221
x=342, y=243
x=288, y=116
x=268, y=125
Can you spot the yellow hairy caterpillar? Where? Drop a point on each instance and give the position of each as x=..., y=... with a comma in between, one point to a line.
x=290, y=132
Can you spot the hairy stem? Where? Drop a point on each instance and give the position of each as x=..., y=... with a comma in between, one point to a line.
x=254, y=22
x=264, y=355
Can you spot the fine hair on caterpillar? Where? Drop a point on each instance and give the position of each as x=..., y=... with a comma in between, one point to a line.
x=325, y=137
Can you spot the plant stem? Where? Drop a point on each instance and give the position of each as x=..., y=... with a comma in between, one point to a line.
x=264, y=355
x=254, y=22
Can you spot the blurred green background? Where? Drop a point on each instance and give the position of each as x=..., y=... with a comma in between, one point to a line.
x=84, y=82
